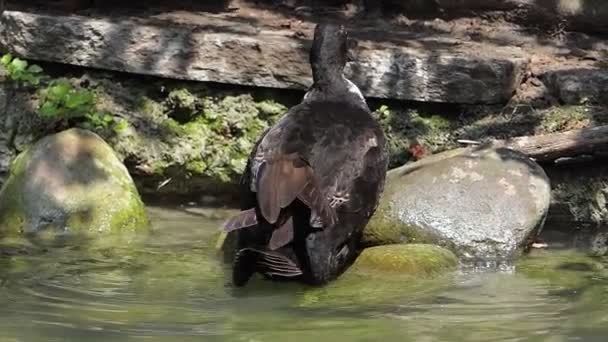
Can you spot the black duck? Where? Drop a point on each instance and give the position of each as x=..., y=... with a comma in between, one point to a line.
x=313, y=180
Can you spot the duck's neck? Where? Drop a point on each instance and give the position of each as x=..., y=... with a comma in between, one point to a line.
x=334, y=87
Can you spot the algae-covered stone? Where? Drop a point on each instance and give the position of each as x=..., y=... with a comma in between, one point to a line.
x=71, y=182
x=386, y=275
x=416, y=259
x=480, y=202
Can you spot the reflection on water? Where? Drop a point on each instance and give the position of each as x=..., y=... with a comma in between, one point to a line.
x=173, y=289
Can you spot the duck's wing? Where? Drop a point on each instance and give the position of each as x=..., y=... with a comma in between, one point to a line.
x=277, y=174
x=359, y=177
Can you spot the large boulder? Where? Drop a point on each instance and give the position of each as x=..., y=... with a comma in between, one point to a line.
x=480, y=202
x=70, y=182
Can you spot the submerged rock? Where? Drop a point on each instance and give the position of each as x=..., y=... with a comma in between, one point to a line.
x=386, y=274
x=415, y=259
x=480, y=202
x=71, y=182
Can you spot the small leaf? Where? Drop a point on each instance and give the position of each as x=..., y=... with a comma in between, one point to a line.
x=108, y=118
x=34, y=69
x=78, y=99
x=6, y=59
x=59, y=90
x=18, y=65
x=35, y=80
x=49, y=110
x=121, y=126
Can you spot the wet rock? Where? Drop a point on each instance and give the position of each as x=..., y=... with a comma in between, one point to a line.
x=70, y=182
x=415, y=259
x=483, y=203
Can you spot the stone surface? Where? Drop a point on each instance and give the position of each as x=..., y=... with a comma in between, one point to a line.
x=223, y=51
x=482, y=203
x=576, y=86
x=70, y=182
x=6, y=154
x=414, y=259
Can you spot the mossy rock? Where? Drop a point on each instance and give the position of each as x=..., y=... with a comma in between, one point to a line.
x=387, y=274
x=416, y=259
x=70, y=182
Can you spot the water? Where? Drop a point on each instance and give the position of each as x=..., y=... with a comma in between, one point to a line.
x=173, y=289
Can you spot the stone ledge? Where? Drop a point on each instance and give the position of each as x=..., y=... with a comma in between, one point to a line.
x=239, y=53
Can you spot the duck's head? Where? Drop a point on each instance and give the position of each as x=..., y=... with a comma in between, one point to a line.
x=328, y=57
x=329, y=52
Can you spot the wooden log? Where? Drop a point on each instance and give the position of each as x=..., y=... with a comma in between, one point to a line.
x=229, y=51
x=550, y=147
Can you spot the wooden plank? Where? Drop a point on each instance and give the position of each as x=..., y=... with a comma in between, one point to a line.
x=549, y=147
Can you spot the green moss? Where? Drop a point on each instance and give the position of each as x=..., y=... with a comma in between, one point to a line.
x=196, y=166
x=207, y=134
x=405, y=127
x=417, y=259
x=564, y=118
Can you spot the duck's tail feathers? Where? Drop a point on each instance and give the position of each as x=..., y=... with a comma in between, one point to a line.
x=244, y=219
x=280, y=181
x=270, y=263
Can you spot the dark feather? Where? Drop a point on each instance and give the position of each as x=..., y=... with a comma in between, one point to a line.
x=271, y=263
x=278, y=184
x=282, y=236
x=244, y=219
x=314, y=199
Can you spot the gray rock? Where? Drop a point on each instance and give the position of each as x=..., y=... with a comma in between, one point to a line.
x=237, y=53
x=482, y=203
x=582, y=15
x=20, y=125
x=574, y=86
x=6, y=154
x=70, y=182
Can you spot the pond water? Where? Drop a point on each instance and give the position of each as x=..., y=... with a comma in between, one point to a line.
x=172, y=288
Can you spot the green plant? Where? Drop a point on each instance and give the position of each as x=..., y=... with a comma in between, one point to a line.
x=20, y=70
x=61, y=100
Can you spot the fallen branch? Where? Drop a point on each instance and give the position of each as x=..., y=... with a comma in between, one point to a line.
x=550, y=147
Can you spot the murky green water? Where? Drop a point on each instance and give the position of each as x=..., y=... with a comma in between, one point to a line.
x=172, y=289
